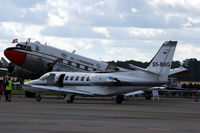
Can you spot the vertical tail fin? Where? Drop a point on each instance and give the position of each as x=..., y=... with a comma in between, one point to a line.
x=162, y=61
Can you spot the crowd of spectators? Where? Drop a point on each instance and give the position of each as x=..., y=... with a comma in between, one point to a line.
x=191, y=85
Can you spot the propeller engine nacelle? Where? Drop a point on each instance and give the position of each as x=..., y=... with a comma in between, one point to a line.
x=16, y=71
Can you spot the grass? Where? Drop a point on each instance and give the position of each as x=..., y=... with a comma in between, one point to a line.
x=16, y=92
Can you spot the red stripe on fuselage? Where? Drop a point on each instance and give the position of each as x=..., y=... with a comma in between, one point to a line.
x=15, y=57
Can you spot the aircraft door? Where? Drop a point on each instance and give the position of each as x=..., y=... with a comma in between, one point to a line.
x=60, y=80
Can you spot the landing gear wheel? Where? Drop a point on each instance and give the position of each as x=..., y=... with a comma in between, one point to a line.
x=147, y=96
x=119, y=99
x=38, y=98
x=29, y=94
x=70, y=99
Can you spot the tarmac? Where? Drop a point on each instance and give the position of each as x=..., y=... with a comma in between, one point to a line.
x=85, y=115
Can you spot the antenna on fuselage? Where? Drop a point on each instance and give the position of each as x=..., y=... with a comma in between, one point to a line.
x=28, y=40
x=73, y=51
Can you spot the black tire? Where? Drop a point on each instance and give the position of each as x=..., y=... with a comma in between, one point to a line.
x=29, y=94
x=38, y=98
x=71, y=100
x=119, y=99
x=147, y=96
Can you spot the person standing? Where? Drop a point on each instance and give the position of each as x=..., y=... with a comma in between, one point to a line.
x=8, y=89
x=4, y=88
x=1, y=88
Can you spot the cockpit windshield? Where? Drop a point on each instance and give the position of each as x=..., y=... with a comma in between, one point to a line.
x=22, y=46
x=44, y=77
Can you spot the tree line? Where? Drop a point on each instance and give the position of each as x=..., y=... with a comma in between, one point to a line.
x=192, y=64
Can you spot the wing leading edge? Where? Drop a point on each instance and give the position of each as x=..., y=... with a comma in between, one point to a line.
x=41, y=88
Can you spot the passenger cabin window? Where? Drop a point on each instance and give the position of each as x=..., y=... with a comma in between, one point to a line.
x=78, y=65
x=86, y=68
x=77, y=78
x=66, y=78
x=72, y=77
x=88, y=79
x=82, y=78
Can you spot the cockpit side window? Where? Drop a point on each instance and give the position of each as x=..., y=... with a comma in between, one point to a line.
x=37, y=48
x=44, y=77
x=28, y=48
x=19, y=46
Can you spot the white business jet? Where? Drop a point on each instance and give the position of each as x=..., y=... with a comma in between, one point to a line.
x=115, y=84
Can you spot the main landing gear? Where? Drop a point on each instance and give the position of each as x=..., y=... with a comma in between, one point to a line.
x=69, y=98
x=38, y=98
x=119, y=99
x=147, y=95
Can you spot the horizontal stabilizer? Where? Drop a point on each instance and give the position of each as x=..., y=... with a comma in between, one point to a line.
x=133, y=93
x=141, y=69
x=158, y=88
x=178, y=71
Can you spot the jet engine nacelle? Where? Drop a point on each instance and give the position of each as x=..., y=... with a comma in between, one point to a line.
x=103, y=79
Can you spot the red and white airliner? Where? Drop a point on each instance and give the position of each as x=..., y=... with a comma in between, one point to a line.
x=40, y=58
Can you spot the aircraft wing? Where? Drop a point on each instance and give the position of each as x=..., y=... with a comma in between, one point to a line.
x=41, y=88
x=133, y=93
x=178, y=71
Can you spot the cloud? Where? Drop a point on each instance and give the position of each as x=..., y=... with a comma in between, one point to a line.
x=146, y=33
x=185, y=11
x=101, y=28
x=134, y=10
x=21, y=30
x=185, y=51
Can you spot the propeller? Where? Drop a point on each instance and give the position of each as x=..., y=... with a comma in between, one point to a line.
x=5, y=63
x=10, y=66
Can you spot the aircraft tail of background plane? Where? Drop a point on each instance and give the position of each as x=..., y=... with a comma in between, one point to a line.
x=162, y=61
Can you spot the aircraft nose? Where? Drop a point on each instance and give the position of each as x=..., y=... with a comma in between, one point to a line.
x=14, y=56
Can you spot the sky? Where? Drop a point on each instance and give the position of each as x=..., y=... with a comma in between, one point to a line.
x=104, y=30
